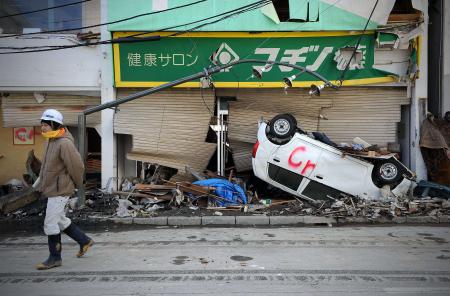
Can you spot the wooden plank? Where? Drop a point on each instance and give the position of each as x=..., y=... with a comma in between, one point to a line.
x=144, y=195
x=17, y=200
x=407, y=17
x=140, y=186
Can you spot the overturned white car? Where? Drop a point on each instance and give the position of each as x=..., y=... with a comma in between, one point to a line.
x=286, y=157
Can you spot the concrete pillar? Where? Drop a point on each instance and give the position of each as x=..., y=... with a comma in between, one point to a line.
x=446, y=52
x=108, y=93
x=419, y=96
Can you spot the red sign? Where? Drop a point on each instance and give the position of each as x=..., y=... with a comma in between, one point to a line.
x=23, y=135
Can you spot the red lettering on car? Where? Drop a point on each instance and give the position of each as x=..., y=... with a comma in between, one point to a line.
x=291, y=162
x=309, y=165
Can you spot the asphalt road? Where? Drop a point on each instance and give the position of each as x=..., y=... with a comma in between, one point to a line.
x=401, y=260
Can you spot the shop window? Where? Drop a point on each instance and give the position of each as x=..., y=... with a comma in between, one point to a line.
x=50, y=19
x=297, y=10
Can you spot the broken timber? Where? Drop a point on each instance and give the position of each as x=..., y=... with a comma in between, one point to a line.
x=17, y=200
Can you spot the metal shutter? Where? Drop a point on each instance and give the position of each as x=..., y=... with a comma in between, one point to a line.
x=371, y=113
x=169, y=127
x=22, y=109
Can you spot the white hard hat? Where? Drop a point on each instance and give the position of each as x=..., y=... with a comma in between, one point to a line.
x=52, y=115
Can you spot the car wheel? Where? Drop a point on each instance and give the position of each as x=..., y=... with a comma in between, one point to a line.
x=281, y=128
x=387, y=172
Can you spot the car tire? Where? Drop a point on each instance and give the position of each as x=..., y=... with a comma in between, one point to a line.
x=387, y=172
x=281, y=128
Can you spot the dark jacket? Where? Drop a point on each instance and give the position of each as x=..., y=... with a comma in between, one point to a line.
x=62, y=167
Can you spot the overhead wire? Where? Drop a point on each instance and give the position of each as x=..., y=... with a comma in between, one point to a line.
x=268, y=38
x=43, y=9
x=248, y=6
x=237, y=76
x=104, y=24
x=127, y=39
x=321, y=13
x=341, y=78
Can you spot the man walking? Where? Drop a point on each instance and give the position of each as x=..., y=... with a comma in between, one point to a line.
x=61, y=171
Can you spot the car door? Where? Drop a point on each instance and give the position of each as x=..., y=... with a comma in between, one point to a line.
x=341, y=172
x=290, y=163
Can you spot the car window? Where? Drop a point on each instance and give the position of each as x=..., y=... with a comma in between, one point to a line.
x=284, y=177
x=316, y=190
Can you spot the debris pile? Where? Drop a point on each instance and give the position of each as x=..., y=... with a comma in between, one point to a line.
x=190, y=199
x=158, y=195
x=220, y=196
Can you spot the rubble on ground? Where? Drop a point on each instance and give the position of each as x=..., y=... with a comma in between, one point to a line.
x=189, y=199
x=213, y=195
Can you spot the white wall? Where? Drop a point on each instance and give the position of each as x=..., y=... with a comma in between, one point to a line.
x=108, y=92
x=446, y=94
x=75, y=69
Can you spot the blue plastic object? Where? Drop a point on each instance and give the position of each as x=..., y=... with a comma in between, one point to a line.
x=232, y=193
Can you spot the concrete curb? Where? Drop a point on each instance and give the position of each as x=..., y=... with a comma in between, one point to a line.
x=252, y=220
x=286, y=220
x=424, y=219
x=35, y=224
x=444, y=219
x=160, y=221
x=184, y=221
x=219, y=220
x=265, y=220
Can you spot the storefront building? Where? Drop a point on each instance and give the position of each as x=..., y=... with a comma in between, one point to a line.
x=380, y=100
x=382, y=96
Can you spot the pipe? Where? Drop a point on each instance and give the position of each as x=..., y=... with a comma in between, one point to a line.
x=82, y=150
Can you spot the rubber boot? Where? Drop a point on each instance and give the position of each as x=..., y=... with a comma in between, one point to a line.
x=54, y=259
x=80, y=237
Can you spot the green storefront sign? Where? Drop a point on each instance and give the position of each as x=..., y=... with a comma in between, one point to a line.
x=152, y=63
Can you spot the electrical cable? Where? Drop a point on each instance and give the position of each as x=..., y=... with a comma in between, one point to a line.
x=105, y=24
x=237, y=11
x=126, y=39
x=204, y=102
x=217, y=15
x=258, y=5
x=44, y=9
x=267, y=39
x=321, y=13
x=341, y=79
